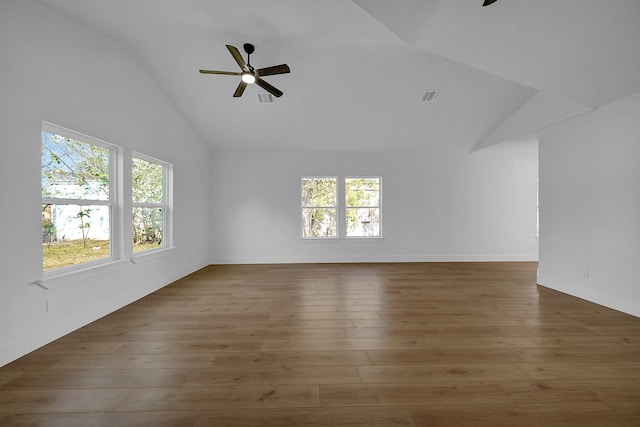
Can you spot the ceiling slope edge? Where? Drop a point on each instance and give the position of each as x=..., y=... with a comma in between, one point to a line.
x=540, y=111
x=406, y=22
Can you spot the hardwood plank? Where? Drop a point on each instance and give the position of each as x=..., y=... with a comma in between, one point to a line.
x=442, y=374
x=7, y=376
x=98, y=419
x=412, y=394
x=532, y=415
x=188, y=347
x=272, y=374
x=537, y=317
x=615, y=330
x=224, y=397
x=395, y=343
x=34, y=361
x=554, y=391
x=473, y=330
x=135, y=361
x=314, y=417
x=337, y=315
x=442, y=356
x=61, y=347
x=587, y=341
x=618, y=319
x=295, y=332
x=436, y=321
x=580, y=354
x=234, y=304
x=187, y=325
x=586, y=370
x=575, y=390
x=212, y=316
x=99, y=379
x=51, y=401
x=217, y=334
x=300, y=358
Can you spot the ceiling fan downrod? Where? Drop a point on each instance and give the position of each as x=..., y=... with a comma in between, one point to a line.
x=249, y=49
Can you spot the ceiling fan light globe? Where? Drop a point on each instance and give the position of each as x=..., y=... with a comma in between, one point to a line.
x=248, y=78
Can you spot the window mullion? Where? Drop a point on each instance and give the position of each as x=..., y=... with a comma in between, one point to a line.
x=341, y=200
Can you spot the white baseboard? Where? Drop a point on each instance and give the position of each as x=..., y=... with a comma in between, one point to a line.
x=373, y=258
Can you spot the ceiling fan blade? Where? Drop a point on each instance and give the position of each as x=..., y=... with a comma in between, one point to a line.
x=228, y=73
x=240, y=89
x=238, y=57
x=266, y=86
x=276, y=69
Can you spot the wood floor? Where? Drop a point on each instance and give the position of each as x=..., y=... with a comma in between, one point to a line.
x=435, y=344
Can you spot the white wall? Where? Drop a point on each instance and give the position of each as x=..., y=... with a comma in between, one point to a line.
x=437, y=205
x=54, y=69
x=590, y=206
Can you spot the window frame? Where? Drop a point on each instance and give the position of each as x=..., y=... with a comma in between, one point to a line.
x=335, y=208
x=165, y=205
x=341, y=208
x=115, y=188
x=379, y=207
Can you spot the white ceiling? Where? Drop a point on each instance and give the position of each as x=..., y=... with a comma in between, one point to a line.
x=360, y=68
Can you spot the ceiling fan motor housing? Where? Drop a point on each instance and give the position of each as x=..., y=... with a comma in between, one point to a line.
x=249, y=48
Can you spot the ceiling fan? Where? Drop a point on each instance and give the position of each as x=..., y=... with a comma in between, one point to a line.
x=250, y=75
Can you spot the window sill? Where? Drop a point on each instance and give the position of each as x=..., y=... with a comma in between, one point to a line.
x=150, y=255
x=362, y=239
x=55, y=279
x=346, y=239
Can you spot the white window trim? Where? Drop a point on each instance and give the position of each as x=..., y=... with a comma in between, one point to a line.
x=115, y=189
x=341, y=209
x=166, y=205
x=379, y=207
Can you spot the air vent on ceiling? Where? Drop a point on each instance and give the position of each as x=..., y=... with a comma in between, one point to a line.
x=430, y=95
x=266, y=98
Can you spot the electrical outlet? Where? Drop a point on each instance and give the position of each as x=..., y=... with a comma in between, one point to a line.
x=50, y=305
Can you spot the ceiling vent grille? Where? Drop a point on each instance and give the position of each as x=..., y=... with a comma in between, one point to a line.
x=430, y=95
x=266, y=98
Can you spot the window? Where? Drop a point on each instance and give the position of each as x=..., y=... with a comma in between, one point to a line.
x=360, y=213
x=362, y=207
x=149, y=203
x=77, y=198
x=319, y=207
x=82, y=206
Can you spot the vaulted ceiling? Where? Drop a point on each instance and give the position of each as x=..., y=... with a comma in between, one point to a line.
x=360, y=69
